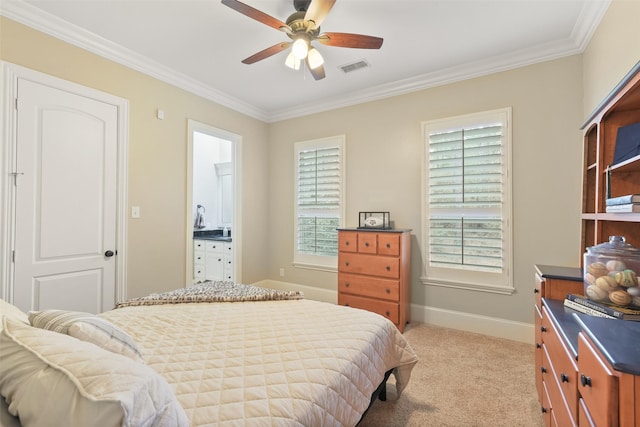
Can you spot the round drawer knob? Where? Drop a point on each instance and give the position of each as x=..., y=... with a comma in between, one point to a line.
x=387, y=313
x=346, y=284
x=367, y=244
x=346, y=243
x=543, y=369
x=585, y=381
x=564, y=377
x=388, y=246
x=388, y=290
x=388, y=268
x=536, y=291
x=538, y=345
x=544, y=410
x=543, y=329
x=347, y=263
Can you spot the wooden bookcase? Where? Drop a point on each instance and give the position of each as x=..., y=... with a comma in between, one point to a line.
x=620, y=108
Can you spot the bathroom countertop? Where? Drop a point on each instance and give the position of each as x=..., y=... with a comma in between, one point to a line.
x=211, y=235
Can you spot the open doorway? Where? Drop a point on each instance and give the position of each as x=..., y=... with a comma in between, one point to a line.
x=213, y=205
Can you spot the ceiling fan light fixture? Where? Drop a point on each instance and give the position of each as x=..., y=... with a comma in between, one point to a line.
x=300, y=48
x=292, y=62
x=315, y=59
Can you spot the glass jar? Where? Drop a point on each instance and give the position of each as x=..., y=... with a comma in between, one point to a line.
x=611, y=273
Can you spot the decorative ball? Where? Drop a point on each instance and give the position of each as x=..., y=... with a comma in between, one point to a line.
x=597, y=269
x=626, y=278
x=615, y=265
x=595, y=293
x=620, y=298
x=634, y=291
x=606, y=283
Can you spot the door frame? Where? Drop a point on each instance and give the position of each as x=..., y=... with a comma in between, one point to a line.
x=236, y=227
x=9, y=75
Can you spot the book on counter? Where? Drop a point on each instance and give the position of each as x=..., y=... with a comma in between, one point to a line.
x=584, y=305
x=623, y=200
x=629, y=207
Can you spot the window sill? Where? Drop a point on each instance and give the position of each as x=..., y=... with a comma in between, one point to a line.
x=480, y=287
x=307, y=266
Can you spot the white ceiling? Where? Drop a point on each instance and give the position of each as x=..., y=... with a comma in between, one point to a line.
x=199, y=44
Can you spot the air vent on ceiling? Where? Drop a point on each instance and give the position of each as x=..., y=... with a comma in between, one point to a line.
x=348, y=68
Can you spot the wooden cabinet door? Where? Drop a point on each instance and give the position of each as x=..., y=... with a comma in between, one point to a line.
x=597, y=385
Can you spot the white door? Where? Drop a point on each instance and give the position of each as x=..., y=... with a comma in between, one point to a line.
x=66, y=200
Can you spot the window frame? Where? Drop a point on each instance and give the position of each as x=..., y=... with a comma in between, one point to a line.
x=310, y=261
x=464, y=277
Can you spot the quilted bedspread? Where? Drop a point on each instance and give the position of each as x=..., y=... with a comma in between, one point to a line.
x=278, y=363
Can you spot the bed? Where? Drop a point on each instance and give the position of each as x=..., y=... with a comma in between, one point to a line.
x=219, y=353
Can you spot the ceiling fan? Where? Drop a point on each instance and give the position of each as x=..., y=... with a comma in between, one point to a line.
x=303, y=27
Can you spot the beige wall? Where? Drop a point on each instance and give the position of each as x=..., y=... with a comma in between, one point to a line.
x=157, y=156
x=549, y=100
x=613, y=51
x=383, y=172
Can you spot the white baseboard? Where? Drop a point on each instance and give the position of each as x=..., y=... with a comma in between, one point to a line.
x=492, y=326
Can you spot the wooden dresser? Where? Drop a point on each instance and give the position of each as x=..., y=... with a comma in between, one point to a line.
x=587, y=368
x=374, y=272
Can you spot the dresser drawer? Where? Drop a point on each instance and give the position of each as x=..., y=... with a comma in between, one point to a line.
x=214, y=246
x=561, y=412
x=584, y=417
x=371, y=265
x=389, y=244
x=538, y=351
x=198, y=245
x=367, y=243
x=387, y=309
x=348, y=241
x=565, y=367
x=598, y=386
x=369, y=286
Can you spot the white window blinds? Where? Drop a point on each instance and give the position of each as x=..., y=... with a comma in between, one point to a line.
x=318, y=200
x=468, y=198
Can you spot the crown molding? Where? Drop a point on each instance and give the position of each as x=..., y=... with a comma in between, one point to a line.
x=47, y=23
x=587, y=23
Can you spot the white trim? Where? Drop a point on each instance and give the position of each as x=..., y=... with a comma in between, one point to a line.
x=576, y=43
x=501, y=283
x=485, y=325
x=10, y=75
x=236, y=229
x=318, y=262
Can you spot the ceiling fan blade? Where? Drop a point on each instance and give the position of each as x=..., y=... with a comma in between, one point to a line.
x=257, y=15
x=318, y=10
x=358, y=41
x=318, y=72
x=276, y=48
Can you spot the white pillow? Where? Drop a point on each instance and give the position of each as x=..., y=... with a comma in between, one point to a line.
x=12, y=312
x=87, y=327
x=48, y=377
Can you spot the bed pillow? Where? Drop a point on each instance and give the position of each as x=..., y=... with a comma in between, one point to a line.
x=87, y=327
x=12, y=312
x=47, y=376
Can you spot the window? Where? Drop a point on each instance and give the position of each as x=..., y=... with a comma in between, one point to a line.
x=467, y=202
x=319, y=207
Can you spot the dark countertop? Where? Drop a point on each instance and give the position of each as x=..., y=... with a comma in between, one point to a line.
x=563, y=273
x=617, y=340
x=211, y=235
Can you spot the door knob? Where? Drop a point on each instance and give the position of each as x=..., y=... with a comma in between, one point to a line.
x=109, y=254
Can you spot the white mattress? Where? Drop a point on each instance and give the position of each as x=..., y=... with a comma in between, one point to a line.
x=284, y=363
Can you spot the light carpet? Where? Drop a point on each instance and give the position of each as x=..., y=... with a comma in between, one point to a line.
x=462, y=379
